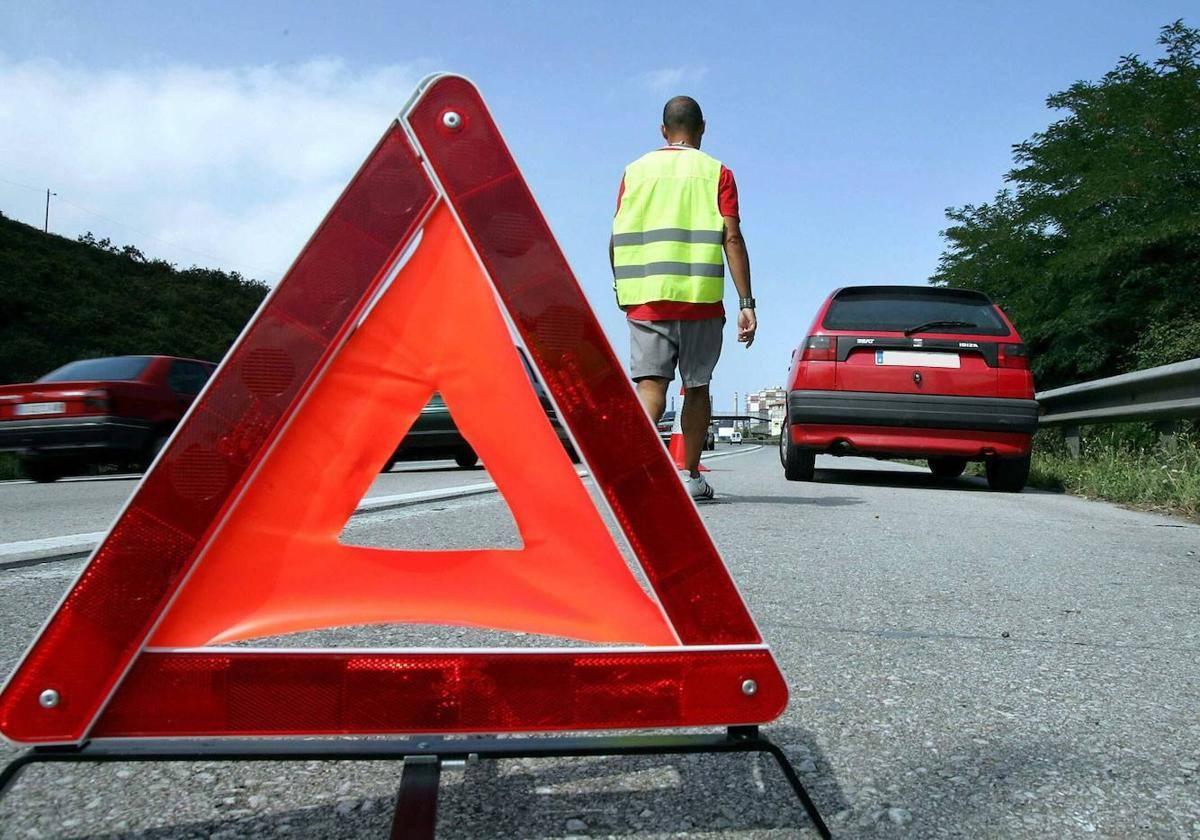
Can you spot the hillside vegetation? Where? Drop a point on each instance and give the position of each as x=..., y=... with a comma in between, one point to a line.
x=66, y=300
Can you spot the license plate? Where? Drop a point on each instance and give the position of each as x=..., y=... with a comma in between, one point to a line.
x=31, y=409
x=916, y=358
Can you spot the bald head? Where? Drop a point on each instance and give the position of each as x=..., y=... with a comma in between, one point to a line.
x=682, y=120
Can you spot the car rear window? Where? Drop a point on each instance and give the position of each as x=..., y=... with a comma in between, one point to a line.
x=117, y=368
x=896, y=310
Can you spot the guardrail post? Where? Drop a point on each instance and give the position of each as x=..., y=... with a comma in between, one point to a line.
x=1071, y=434
x=1166, y=434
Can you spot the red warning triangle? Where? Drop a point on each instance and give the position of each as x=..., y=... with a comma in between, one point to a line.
x=276, y=565
x=233, y=534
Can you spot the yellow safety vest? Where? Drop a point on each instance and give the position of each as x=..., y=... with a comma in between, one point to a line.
x=668, y=231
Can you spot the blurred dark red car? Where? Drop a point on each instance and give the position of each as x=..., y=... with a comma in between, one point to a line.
x=119, y=409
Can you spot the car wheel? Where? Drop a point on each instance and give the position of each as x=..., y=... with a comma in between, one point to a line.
x=43, y=470
x=798, y=464
x=1008, y=475
x=466, y=458
x=153, y=449
x=947, y=467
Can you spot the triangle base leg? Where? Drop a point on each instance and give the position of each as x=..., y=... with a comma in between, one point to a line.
x=793, y=778
x=416, y=805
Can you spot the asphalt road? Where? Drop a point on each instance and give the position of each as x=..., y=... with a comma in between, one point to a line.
x=961, y=664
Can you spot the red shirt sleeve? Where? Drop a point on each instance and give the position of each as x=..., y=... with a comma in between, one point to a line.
x=727, y=197
x=621, y=192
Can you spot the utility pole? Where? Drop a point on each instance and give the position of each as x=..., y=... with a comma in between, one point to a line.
x=46, y=226
x=735, y=402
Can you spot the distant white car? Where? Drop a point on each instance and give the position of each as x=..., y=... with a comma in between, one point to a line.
x=736, y=437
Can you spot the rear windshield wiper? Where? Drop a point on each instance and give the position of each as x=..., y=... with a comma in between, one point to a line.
x=929, y=325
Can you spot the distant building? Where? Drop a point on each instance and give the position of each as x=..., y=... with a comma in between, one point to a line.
x=770, y=405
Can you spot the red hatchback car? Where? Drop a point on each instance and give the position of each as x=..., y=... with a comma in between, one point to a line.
x=120, y=409
x=912, y=372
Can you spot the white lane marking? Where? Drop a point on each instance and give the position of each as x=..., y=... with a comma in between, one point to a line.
x=70, y=541
x=730, y=453
x=371, y=503
x=71, y=544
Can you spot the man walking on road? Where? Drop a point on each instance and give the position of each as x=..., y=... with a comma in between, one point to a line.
x=677, y=211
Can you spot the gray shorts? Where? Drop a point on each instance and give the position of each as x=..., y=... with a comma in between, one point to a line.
x=657, y=346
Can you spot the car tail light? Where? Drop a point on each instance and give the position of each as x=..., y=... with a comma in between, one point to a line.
x=97, y=400
x=1014, y=356
x=819, y=348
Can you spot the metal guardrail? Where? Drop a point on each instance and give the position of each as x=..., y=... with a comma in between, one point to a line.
x=1161, y=395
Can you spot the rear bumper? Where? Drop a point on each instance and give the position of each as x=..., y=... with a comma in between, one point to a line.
x=53, y=435
x=884, y=442
x=912, y=411
x=911, y=425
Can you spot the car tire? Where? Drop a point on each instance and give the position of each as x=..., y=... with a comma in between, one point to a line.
x=466, y=458
x=43, y=470
x=945, y=467
x=1008, y=475
x=798, y=464
x=153, y=449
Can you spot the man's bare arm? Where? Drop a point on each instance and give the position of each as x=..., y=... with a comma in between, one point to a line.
x=737, y=257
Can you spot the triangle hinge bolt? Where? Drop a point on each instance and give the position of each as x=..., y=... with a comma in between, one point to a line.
x=749, y=688
x=48, y=699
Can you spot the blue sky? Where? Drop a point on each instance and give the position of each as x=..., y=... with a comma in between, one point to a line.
x=219, y=133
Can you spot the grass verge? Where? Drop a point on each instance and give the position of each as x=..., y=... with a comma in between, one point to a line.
x=1123, y=464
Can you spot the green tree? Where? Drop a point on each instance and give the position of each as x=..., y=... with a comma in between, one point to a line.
x=1094, y=248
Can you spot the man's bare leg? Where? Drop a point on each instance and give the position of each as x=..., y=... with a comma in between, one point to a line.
x=695, y=422
x=652, y=391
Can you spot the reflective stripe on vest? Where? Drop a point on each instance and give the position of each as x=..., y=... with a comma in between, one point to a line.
x=668, y=231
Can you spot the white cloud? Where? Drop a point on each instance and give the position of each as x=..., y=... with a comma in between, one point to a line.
x=667, y=79
x=238, y=165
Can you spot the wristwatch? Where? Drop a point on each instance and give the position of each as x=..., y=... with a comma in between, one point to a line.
x=746, y=303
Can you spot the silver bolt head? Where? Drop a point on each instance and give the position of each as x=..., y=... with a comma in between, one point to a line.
x=749, y=688
x=452, y=120
x=48, y=699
